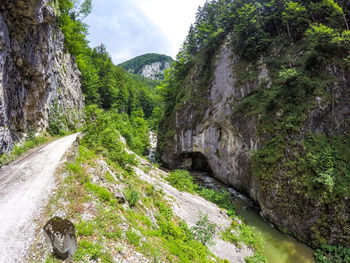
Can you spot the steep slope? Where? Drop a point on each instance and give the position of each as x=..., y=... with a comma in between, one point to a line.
x=276, y=128
x=150, y=66
x=114, y=226
x=39, y=82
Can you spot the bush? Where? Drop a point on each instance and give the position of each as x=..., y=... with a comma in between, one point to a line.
x=133, y=237
x=132, y=196
x=204, y=230
x=85, y=228
x=332, y=254
x=256, y=258
x=182, y=180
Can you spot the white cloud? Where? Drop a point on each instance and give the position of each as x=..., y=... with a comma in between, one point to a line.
x=173, y=17
x=135, y=27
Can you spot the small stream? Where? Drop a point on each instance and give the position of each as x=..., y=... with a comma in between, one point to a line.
x=278, y=247
x=152, y=147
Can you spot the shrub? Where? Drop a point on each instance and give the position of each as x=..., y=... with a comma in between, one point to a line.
x=132, y=196
x=256, y=258
x=204, y=230
x=133, y=237
x=182, y=180
x=332, y=254
x=85, y=228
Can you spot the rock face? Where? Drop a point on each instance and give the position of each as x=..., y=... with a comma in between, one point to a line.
x=155, y=70
x=37, y=78
x=217, y=139
x=60, y=236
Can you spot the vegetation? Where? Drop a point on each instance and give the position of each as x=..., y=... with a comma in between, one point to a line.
x=204, y=230
x=237, y=234
x=298, y=42
x=30, y=142
x=332, y=254
x=105, y=85
x=110, y=228
x=136, y=65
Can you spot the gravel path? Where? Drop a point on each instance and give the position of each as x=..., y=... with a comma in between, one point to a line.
x=25, y=186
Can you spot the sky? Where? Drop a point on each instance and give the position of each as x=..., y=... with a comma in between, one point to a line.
x=130, y=28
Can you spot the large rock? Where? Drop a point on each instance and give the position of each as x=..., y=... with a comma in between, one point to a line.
x=37, y=77
x=60, y=236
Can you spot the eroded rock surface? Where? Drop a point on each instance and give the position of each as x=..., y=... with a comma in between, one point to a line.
x=37, y=77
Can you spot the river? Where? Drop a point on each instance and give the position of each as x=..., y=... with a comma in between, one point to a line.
x=278, y=247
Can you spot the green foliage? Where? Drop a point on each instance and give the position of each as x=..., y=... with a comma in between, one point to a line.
x=85, y=228
x=296, y=18
x=31, y=142
x=241, y=233
x=133, y=237
x=256, y=258
x=57, y=121
x=332, y=254
x=136, y=65
x=204, y=230
x=102, y=134
x=92, y=252
x=131, y=195
x=100, y=191
x=327, y=162
x=182, y=180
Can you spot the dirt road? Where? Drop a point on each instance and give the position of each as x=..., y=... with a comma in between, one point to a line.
x=25, y=186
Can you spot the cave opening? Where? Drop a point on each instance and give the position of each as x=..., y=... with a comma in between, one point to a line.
x=199, y=163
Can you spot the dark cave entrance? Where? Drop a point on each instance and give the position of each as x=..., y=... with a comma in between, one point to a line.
x=199, y=163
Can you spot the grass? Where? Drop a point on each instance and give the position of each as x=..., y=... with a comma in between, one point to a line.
x=19, y=150
x=110, y=228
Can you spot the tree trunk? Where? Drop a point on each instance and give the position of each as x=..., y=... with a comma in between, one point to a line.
x=346, y=22
x=288, y=29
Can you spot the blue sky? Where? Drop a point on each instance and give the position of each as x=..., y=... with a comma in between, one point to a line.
x=130, y=28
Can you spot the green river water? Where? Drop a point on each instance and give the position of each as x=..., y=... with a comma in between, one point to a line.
x=278, y=247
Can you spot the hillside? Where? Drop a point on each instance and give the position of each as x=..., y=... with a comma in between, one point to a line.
x=150, y=66
x=260, y=99
x=253, y=129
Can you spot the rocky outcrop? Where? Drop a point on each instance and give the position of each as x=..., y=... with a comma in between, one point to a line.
x=220, y=140
x=155, y=70
x=224, y=140
x=37, y=77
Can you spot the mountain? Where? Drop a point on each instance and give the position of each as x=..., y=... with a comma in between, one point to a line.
x=150, y=66
x=260, y=100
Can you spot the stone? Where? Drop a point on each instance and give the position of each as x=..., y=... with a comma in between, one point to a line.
x=118, y=194
x=60, y=236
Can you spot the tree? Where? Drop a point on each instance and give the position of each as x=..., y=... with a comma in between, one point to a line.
x=296, y=17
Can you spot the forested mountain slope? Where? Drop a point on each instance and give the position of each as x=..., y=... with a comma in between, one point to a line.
x=259, y=96
x=150, y=66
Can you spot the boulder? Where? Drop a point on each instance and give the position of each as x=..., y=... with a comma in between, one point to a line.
x=60, y=236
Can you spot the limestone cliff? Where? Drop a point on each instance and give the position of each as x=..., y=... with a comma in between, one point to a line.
x=37, y=77
x=211, y=134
